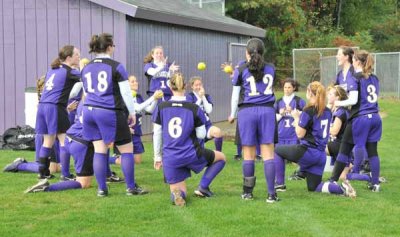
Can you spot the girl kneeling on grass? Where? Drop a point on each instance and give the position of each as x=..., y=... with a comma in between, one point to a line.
x=178, y=125
x=312, y=128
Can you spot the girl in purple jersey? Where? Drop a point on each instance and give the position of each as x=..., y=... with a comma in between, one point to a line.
x=286, y=131
x=199, y=97
x=107, y=90
x=158, y=71
x=312, y=128
x=141, y=107
x=365, y=125
x=52, y=117
x=178, y=124
x=256, y=116
x=82, y=151
x=344, y=78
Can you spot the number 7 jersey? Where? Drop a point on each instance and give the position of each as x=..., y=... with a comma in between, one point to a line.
x=100, y=81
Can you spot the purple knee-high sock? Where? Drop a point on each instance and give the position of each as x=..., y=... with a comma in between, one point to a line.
x=60, y=186
x=279, y=170
x=375, y=169
x=329, y=187
x=210, y=173
x=248, y=168
x=56, y=148
x=239, y=150
x=258, y=149
x=357, y=176
x=32, y=167
x=64, y=161
x=100, y=169
x=358, y=159
x=269, y=172
x=218, y=143
x=128, y=168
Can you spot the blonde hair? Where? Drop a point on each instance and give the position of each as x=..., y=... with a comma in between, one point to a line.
x=339, y=91
x=318, y=90
x=177, y=82
x=366, y=60
x=131, y=77
x=149, y=57
x=40, y=85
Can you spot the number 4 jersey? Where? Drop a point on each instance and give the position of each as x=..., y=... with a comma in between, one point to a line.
x=58, y=85
x=100, y=80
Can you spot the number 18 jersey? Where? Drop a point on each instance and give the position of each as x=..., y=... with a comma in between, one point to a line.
x=100, y=81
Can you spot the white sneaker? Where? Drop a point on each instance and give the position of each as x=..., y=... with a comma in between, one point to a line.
x=349, y=191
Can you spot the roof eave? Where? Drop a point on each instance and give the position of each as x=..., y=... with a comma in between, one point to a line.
x=149, y=14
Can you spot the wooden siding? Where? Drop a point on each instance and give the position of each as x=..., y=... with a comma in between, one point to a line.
x=186, y=46
x=31, y=33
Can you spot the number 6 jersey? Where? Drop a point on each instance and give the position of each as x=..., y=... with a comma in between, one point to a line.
x=179, y=120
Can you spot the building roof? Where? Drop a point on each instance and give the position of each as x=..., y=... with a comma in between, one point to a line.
x=180, y=12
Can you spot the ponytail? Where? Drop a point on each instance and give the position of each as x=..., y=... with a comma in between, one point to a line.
x=100, y=43
x=367, y=62
x=255, y=48
x=63, y=53
x=40, y=86
x=318, y=91
x=177, y=82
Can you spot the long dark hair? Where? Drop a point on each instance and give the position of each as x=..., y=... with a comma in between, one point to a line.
x=255, y=48
x=347, y=51
x=63, y=53
x=100, y=43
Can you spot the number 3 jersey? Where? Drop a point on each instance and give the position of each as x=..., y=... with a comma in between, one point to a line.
x=255, y=93
x=368, y=92
x=58, y=85
x=100, y=80
x=178, y=120
x=317, y=128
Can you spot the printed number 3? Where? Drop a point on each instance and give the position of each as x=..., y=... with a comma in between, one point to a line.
x=267, y=79
x=372, y=96
x=174, y=127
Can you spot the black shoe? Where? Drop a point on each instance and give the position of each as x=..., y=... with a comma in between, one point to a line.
x=247, y=196
x=297, y=175
x=203, y=192
x=49, y=176
x=137, y=190
x=272, y=198
x=70, y=177
x=237, y=157
x=102, y=193
x=42, y=186
x=13, y=167
x=114, y=178
x=280, y=188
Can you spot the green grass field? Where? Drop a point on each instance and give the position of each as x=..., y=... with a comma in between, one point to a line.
x=300, y=213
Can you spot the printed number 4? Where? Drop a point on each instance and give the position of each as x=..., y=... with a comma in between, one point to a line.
x=267, y=80
x=49, y=82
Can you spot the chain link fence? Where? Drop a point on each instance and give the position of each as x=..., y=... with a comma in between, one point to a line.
x=320, y=64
